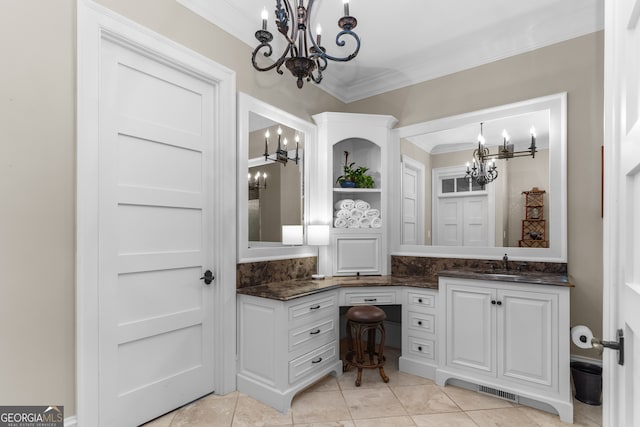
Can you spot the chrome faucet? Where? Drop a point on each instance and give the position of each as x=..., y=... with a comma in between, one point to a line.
x=505, y=262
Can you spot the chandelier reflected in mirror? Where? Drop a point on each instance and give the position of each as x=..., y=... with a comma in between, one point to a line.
x=484, y=169
x=257, y=182
x=303, y=54
x=281, y=154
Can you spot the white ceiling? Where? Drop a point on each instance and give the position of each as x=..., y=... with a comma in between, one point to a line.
x=409, y=41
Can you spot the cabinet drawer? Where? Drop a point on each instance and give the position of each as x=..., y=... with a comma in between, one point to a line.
x=313, y=309
x=422, y=348
x=312, y=336
x=312, y=361
x=419, y=299
x=372, y=298
x=422, y=322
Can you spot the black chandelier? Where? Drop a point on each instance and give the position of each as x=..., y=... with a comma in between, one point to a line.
x=281, y=154
x=303, y=55
x=484, y=168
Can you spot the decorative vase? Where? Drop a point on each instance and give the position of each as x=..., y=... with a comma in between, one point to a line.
x=347, y=184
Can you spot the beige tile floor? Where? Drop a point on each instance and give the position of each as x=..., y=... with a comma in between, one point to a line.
x=406, y=400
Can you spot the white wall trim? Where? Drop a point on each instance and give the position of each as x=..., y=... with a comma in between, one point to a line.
x=95, y=22
x=71, y=421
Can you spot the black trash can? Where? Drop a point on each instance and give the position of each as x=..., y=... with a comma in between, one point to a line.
x=587, y=379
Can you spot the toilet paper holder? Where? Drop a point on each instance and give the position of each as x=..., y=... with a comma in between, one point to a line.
x=614, y=345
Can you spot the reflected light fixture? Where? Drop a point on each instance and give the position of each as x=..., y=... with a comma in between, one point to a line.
x=303, y=54
x=484, y=169
x=259, y=181
x=281, y=155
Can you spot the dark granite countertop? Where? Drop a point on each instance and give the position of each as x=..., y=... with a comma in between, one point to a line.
x=288, y=290
x=530, y=277
x=291, y=289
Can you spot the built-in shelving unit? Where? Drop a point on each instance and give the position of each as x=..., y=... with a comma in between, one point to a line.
x=358, y=246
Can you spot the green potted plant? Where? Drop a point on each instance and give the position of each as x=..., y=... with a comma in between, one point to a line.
x=354, y=176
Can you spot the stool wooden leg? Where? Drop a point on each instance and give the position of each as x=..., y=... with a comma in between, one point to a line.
x=381, y=358
x=348, y=356
x=371, y=344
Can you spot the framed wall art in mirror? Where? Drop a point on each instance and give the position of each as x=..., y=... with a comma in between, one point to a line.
x=439, y=209
x=273, y=174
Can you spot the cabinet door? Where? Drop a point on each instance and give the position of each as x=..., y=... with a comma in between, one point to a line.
x=357, y=254
x=470, y=328
x=527, y=330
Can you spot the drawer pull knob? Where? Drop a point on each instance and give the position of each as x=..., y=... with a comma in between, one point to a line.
x=314, y=307
x=419, y=348
x=419, y=322
x=370, y=299
x=420, y=300
x=493, y=302
x=318, y=360
x=499, y=302
x=317, y=331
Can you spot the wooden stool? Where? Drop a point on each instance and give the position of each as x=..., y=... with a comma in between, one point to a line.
x=363, y=319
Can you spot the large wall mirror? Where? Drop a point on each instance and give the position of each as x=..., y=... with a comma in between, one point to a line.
x=272, y=190
x=441, y=211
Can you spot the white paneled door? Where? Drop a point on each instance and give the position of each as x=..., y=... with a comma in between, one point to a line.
x=412, y=202
x=463, y=221
x=621, y=394
x=156, y=324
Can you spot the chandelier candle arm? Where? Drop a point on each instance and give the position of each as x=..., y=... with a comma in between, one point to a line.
x=265, y=16
x=266, y=145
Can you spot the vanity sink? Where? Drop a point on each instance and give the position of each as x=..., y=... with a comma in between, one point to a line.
x=516, y=276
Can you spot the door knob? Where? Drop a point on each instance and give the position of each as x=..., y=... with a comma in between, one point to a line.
x=208, y=277
x=600, y=345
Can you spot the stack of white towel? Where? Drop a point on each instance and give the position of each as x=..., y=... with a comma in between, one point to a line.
x=356, y=214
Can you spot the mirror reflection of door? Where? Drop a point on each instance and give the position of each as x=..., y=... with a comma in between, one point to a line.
x=462, y=213
x=412, y=202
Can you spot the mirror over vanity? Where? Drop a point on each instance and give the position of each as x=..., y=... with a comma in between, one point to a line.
x=441, y=211
x=271, y=189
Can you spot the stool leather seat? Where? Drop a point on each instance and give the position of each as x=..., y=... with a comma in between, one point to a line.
x=366, y=314
x=364, y=322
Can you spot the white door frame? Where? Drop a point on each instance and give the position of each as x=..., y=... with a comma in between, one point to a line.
x=93, y=23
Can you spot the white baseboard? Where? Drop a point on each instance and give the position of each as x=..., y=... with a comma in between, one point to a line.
x=71, y=421
x=593, y=361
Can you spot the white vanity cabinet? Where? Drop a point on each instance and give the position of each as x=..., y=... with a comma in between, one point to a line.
x=507, y=337
x=419, y=333
x=284, y=346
